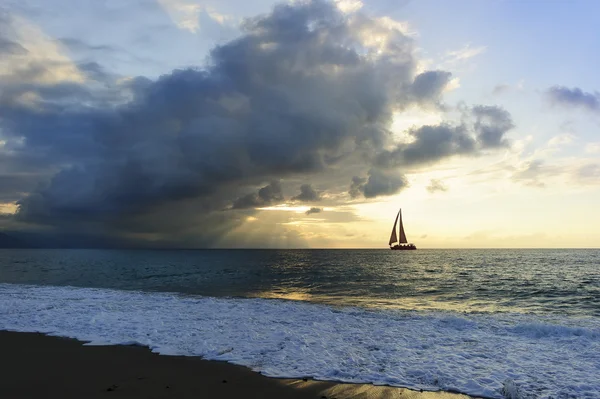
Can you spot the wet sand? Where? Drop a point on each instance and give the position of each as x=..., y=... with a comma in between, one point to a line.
x=38, y=366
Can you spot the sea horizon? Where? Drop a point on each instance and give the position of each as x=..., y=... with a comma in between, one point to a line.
x=296, y=248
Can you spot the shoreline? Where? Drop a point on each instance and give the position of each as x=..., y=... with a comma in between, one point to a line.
x=50, y=366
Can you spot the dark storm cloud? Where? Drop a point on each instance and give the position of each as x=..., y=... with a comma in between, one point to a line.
x=575, y=97
x=282, y=99
x=268, y=195
x=300, y=94
x=307, y=194
x=14, y=185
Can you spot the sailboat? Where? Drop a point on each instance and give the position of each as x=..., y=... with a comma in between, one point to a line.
x=402, y=244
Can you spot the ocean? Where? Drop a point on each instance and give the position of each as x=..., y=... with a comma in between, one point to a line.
x=495, y=323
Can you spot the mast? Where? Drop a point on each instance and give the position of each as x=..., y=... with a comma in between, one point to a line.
x=403, y=239
x=393, y=236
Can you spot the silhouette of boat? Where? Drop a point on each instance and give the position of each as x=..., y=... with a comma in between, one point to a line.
x=402, y=243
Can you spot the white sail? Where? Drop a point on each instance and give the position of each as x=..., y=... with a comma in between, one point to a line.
x=393, y=236
x=403, y=239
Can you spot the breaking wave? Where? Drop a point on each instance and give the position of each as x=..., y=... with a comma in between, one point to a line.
x=495, y=356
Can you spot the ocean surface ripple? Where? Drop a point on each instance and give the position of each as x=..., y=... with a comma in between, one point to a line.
x=516, y=324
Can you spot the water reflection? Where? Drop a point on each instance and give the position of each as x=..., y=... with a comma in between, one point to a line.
x=287, y=294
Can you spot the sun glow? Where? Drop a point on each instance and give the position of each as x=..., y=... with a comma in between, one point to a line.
x=8, y=208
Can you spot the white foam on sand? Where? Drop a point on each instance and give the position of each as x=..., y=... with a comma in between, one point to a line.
x=496, y=356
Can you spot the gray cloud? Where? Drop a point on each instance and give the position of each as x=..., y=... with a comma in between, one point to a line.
x=434, y=143
x=575, y=97
x=298, y=95
x=429, y=85
x=383, y=183
x=491, y=125
x=307, y=194
x=378, y=183
x=357, y=186
x=79, y=45
x=436, y=185
x=10, y=47
x=314, y=210
x=14, y=185
x=267, y=195
x=268, y=103
x=431, y=143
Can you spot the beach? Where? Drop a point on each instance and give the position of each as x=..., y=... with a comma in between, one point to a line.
x=44, y=366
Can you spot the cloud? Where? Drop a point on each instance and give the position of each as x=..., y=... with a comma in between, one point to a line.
x=436, y=185
x=463, y=54
x=357, y=186
x=505, y=88
x=491, y=125
x=10, y=47
x=314, y=210
x=307, y=194
x=432, y=143
x=349, y=6
x=556, y=172
x=28, y=55
x=188, y=14
x=430, y=85
x=533, y=173
x=305, y=92
x=378, y=183
x=561, y=140
x=575, y=97
x=589, y=173
x=267, y=195
x=79, y=45
x=282, y=100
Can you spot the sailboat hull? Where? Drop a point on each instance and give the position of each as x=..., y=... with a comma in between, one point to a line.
x=408, y=247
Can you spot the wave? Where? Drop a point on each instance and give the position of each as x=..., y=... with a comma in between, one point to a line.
x=494, y=356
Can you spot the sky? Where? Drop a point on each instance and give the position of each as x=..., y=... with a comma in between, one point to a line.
x=300, y=124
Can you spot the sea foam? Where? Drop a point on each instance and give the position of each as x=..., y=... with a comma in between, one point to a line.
x=496, y=356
